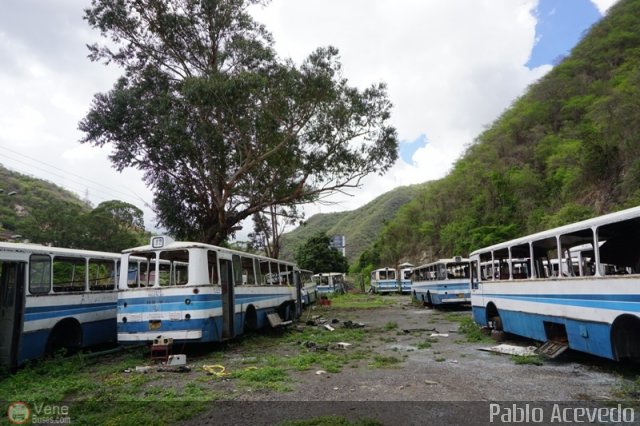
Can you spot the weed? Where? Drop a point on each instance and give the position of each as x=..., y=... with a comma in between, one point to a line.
x=274, y=378
x=440, y=359
x=331, y=421
x=381, y=361
x=628, y=390
x=424, y=345
x=527, y=359
x=360, y=301
x=391, y=325
x=472, y=331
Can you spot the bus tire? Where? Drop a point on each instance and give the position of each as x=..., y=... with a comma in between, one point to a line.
x=250, y=319
x=429, y=301
x=625, y=343
x=67, y=335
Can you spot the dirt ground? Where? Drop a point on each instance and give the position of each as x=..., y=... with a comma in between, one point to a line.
x=447, y=380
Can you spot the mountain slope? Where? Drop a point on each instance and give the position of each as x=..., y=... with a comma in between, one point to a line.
x=360, y=227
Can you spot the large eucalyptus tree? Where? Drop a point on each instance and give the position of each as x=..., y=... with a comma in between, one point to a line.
x=221, y=126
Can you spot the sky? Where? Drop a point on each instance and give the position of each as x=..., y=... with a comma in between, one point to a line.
x=451, y=68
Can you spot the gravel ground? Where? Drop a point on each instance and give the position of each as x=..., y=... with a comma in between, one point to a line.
x=452, y=381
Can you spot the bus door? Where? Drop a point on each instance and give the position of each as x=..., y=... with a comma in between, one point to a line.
x=228, y=305
x=12, y=276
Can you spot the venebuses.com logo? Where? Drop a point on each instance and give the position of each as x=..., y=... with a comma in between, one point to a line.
x=18, y=413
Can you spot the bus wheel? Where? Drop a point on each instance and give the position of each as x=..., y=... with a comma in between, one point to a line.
x=250, y=319
x=66, y=335
x=624, y=338
x=497, y=322
x=429, y=301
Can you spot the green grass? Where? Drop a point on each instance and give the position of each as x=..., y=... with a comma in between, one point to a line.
x=98, y=390
x=472, y=331
x=267, y=377
x=361, y=301
x=527, y=359
x=382, y=361
x=426, y=344
x=331, y=421
x=390, y=326
x=628, y=390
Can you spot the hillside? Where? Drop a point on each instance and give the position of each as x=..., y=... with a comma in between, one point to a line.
x=31, y=194
x=360, y=227
x=568, y=149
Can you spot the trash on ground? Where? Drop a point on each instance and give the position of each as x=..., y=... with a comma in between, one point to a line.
x=175, y=369
x=328, y=327
x=313, y=346
x=439, y=335
x=215, y=370
x=343, y=345
x=143, y=368
x=430, y=382
x=413, y=330
x=319, y=372
x=511, y=349
x=178, y=359
x=351, y=324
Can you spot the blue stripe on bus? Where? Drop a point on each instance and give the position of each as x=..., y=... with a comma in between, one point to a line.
x=586, y=336
x=177, y=303
x=618, y=302
x=45, y=312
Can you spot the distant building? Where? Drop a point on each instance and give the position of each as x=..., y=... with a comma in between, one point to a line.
x=339, y=242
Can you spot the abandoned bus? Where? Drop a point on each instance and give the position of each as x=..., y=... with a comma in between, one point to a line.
x=443, y=282
x=54, y=298
x=576, y=286
x=195, y=292
x=329, y=283
x=385, y=280
x=406, y=273
x=309, y=287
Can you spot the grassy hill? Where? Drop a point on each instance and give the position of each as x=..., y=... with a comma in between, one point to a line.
x=567, y=150
x=361, y=226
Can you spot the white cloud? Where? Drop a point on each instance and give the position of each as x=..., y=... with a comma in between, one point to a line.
x=604, y=5
x=451, y=68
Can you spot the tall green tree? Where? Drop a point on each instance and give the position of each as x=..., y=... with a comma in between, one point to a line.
x=113, y=226
x=222, y=128
x=318, y=256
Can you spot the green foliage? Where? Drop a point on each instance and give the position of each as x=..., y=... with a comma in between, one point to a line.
x=331, y=421
x=360, y=226
x=42, y=212
x=222, y=127
x=316, y=255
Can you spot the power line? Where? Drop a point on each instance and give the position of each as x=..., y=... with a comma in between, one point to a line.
x=102, y=195
x=113, y=191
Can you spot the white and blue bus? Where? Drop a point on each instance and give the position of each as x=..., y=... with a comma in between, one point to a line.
x=309, y=287
x=443, y=282
x=330, y=283
x=590, y=304
x=54, y=298
x=385, y=280
x=195, y=292
x=406, y=277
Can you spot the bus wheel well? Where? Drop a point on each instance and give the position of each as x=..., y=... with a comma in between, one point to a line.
x=287, y=311
x=66, y=334
x=250, y=319
x=493, y=316
x=624, y=337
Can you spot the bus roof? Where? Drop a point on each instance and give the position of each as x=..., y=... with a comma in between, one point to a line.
x=565, y=229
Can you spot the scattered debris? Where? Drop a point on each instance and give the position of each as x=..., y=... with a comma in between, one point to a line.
x=328, y=327
x=413, y=330
x=552, y=349
x=511, y=350
x=275, y=321
x=335, y=321
x=351, y=324
x=215, y=370
x=319, y=372
x=439, y=335
x=430, y=382
x=179, y=359
x=343, y=345
x=176, y=369
x=313, y=346
x=143, y=369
